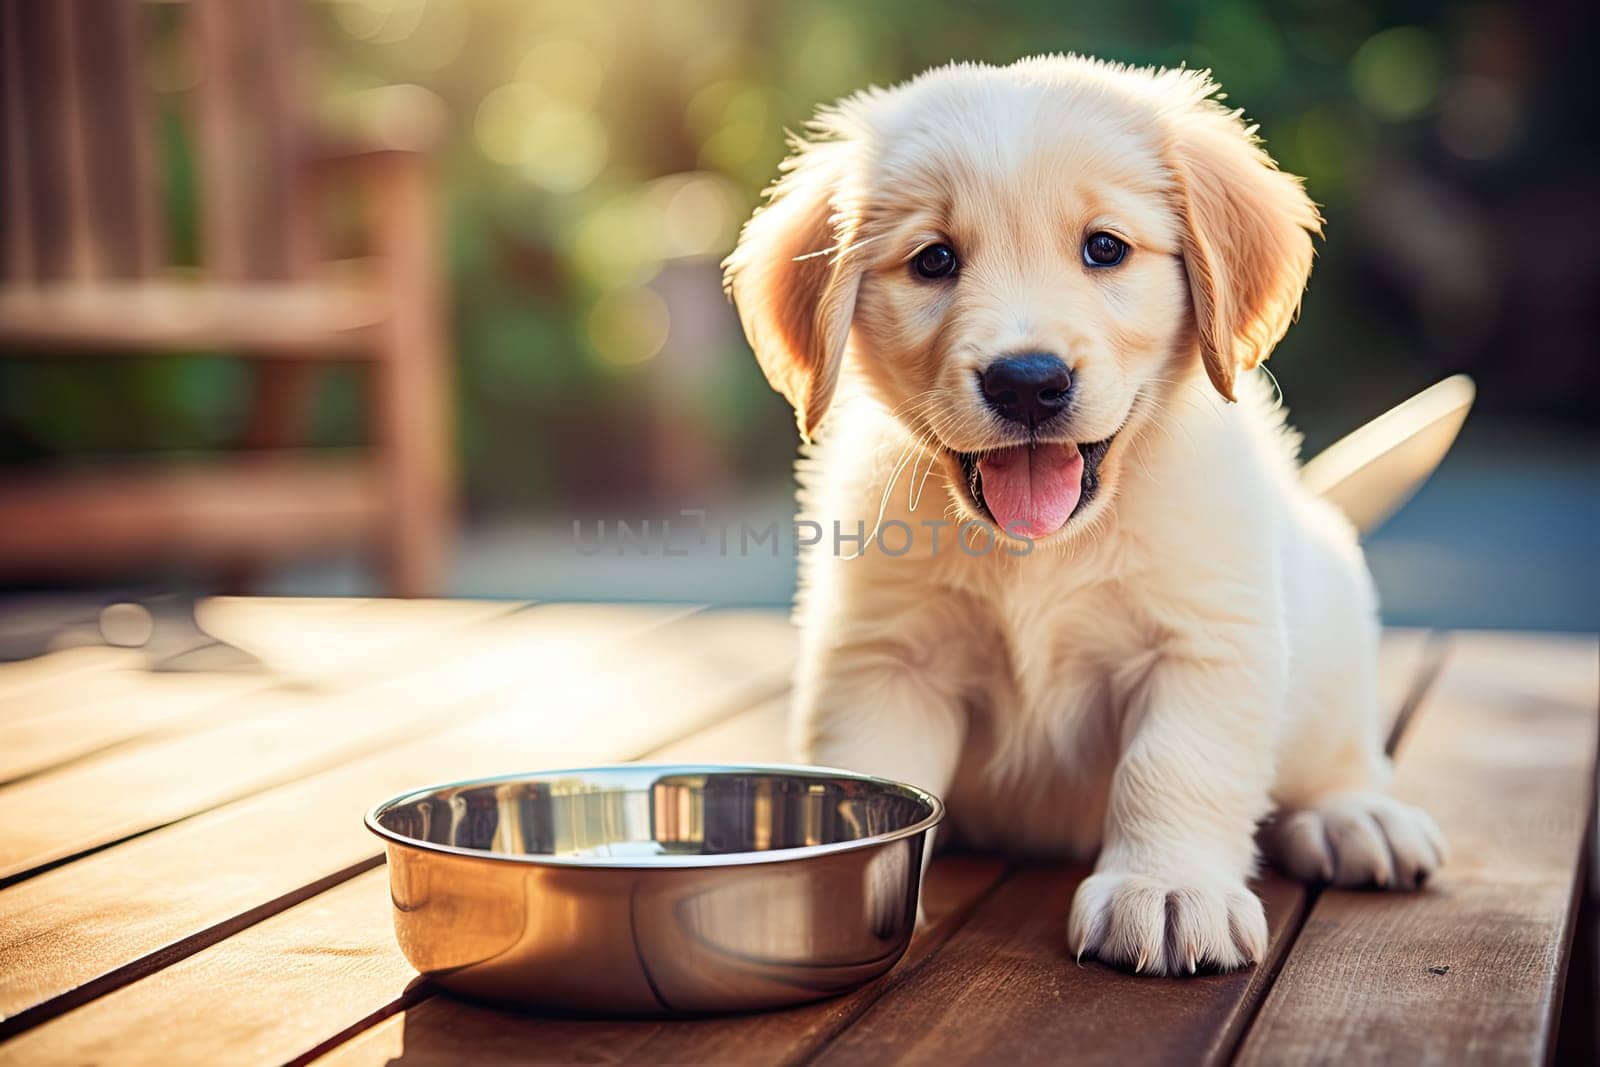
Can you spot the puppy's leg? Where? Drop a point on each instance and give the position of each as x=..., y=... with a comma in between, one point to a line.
x=1168, y=894
x=878, y=718
x=1335, y=820
x=874, y=712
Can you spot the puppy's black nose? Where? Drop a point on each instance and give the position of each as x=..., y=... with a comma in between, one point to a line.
x=1028, y=388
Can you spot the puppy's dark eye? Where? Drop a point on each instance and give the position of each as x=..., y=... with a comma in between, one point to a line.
x=935, y=261
x=1103, y=250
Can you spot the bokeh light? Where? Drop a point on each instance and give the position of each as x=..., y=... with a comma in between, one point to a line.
x=733, y=120
x=563, y=69
x=1332, y=141
x=552, y=143
x=696, y=214
x=628, y=326
x=1396, y=73
x=614, y=245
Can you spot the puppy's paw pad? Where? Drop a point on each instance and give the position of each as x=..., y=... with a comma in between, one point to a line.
x=1156, y=925
x=1357, y=839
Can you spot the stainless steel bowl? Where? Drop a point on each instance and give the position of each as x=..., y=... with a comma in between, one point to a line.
x=657, y=890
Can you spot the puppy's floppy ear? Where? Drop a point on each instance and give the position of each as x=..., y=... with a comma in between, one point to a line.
x=794, y=281
x=1246, y=241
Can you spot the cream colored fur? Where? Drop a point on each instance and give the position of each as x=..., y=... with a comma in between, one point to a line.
x=1195, y=652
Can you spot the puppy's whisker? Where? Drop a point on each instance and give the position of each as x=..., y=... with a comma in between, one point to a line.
x=1205, y=400
x=1158, y=406
x=916, y=401
x=883, y=502
x=914, y=497
x=917, y=447
x=1188, y=393
x=1144, y=404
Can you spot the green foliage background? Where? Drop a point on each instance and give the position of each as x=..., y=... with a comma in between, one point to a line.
x=569, y=127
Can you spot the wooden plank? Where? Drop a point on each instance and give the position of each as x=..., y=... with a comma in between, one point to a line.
x=63, y=813
x=49, y=113
x=94, y=713
x=287, y=733
x=326, y=319
x=554, y=697
x=1502, y=753
x=760, y=735
x=262, y=993
x=1007, y=989
x=21, y=680
x=320, y=641
x=17, y=254
x=77, y=167
x=114, y=135
x=255, y=506
x=219, y=1007
x=300, y=640
x=411, y=420
x=254, y=223
x=327, y=642
x=339, y=642
x=443, y=1030
x=34, y=628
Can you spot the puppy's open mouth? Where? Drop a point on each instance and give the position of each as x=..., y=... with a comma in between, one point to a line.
x=1032, y=490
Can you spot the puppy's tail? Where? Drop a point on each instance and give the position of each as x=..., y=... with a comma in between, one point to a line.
x=1370, y=473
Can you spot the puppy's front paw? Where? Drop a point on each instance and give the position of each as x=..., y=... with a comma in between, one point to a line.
x=1158, y=925
x=1354, y=839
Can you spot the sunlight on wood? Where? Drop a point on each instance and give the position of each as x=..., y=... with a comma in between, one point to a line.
x=315, y=639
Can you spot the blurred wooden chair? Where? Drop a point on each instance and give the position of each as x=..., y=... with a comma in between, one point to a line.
x=86, y=270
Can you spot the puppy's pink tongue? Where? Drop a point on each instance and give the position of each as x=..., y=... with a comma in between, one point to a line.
x=1031, y=491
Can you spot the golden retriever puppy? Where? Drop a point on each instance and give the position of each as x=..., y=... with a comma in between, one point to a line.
x=1013, y=308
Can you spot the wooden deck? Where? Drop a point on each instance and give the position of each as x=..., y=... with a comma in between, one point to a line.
x=184, y=877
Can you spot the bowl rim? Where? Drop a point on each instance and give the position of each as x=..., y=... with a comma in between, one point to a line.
x=663, y=863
